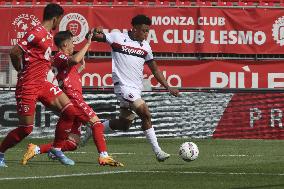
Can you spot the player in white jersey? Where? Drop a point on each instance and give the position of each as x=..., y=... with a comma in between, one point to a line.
x=129, y=53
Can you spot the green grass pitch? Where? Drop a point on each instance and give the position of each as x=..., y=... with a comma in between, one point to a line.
x=222, y=164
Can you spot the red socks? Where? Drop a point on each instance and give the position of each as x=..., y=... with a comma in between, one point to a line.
x=98, y=136
x=67, y=145
x=15, y=136
x=64, y=125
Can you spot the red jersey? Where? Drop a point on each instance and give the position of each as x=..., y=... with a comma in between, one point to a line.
x=36, y=44
x=67, y=75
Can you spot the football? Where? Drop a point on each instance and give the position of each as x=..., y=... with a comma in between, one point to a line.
x=188, y=151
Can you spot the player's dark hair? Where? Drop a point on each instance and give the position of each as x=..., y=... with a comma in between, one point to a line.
x=141, y=19
x=52, y=10
x=61, y=36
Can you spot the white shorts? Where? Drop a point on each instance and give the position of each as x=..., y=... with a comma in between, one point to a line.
x=126, y=94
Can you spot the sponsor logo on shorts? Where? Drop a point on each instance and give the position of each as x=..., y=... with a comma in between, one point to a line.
x=131, y=95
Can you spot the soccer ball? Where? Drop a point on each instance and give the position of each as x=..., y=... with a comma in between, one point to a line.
x=188, y=151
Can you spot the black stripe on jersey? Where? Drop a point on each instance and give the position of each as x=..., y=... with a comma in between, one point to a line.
x=116, y=47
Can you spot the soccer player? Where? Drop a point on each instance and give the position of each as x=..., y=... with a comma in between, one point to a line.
x=31, y=58
x=129, y=53
x=65, y=65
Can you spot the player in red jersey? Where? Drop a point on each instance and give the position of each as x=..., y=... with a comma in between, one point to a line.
x=69, y=80
x=31, y=58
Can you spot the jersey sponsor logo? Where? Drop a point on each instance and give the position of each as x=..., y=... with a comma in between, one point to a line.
x=21, y=24
x=129, y=50
x=77, y=24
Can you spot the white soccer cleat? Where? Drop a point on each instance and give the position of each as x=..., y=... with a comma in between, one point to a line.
x=162, y=156
x=86, y=136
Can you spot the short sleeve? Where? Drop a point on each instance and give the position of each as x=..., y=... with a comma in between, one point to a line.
x=149, y=55
x=29, y=40
x=110, y=37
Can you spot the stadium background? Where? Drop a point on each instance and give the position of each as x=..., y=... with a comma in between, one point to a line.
x=225, y=56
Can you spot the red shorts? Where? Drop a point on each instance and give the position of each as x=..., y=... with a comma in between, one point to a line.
x=84, y=110
x=27, y=96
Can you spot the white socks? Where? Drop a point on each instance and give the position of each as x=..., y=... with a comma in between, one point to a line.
x=37, y=150
x=103, y=154
x=151, y=137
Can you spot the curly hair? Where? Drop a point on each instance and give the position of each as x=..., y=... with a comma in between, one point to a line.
x=141, y=19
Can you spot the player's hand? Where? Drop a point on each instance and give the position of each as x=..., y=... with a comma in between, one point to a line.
x=174, y=92
x=90, y=36
x=98, y=32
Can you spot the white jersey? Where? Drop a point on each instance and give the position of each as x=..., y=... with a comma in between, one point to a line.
x=128, y=58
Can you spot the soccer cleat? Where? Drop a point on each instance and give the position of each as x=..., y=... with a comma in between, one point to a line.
x=162, y=156
x=61, y=157
x=30, y=153
x=2, y=163
x=51, y=156
x=109, y=161
x=86, y=136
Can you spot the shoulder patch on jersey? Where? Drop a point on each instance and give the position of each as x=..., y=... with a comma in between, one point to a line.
x=31, y=38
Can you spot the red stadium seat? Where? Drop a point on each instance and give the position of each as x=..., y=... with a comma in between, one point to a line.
x=163, y=3
x=269, y=2
x=183, y=3
x=203, y=3
x=249, y=2
x=121, y=2
x=103, y=2
x=141, y=2
x=226, y=2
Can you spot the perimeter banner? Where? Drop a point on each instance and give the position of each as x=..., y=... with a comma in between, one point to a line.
x=175, y=30
x=189, y=73
x=193, y=114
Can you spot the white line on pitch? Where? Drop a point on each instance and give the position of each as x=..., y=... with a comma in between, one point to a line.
x=238, y=155
x=131, y=171
x=115, y=153
x=60, y=176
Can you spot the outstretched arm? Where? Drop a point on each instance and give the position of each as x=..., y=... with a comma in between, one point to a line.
x=98, y=34
x=83, y=66
x=79, y=56
x=160, y=77
x=16, y=54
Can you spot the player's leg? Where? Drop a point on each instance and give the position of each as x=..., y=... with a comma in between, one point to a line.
x=56, y=99
x=143, y=112
x=70, y=144
x=26, y=109
x=98, y=137
x=126, y=116
x=89, y=117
